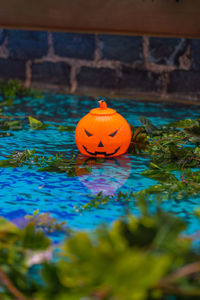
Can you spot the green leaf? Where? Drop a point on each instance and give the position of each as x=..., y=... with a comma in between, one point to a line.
x=149, y=127
x=36, y=124
x=33, y=239
x=160, y=175
x=66, y=128
x=7, y=227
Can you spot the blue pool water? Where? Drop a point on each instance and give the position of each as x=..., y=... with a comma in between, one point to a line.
x=23, y=190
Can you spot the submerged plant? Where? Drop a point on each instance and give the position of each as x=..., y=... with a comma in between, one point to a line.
x=36, y=124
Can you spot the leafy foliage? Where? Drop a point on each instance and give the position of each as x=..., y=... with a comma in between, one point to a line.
x=45, y=222
x=36, y=124
x=143, y=258
x=100, y=200
x=67, y=128
x=10, y=125
x=139, y=140
x=57, y=164
x=171, y=147
x=17, y=158
x=9, y=89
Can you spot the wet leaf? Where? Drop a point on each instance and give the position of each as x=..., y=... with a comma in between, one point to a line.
x=36, y=124
x=66, y=128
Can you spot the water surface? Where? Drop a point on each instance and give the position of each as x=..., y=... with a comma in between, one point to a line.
x=23, y=190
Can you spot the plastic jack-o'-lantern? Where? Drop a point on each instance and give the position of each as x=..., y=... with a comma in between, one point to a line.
x=103, y=133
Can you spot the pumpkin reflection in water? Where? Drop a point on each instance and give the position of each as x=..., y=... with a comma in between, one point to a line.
x=103, y=133
x=103, y=175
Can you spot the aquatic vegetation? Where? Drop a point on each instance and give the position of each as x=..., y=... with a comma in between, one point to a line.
x=139, y=140
x=45, y=222
x=143, y=258
x=100, y=200
x=5, y=134
x=17, y=159
x=55, y=163
x=36, y=124
x=95, y=202
x=11, y=125
x=172, y=147
x=67, y=128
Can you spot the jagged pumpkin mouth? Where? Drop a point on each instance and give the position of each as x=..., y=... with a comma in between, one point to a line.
x=101, y=153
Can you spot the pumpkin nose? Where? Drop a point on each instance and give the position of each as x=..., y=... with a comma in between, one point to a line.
x=100, y=144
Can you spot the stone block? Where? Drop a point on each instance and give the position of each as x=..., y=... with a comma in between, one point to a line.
x=184, y=82
x=122, y=48
x=12, y=69
x=51, y=73
x=2, y=36
x=166, y=50
x=96, y=77
x=195, y=54
x=139, y=80
x=26, y=44
x=75, y=45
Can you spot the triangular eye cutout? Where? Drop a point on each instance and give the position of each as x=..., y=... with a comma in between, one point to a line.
x=88, y=133
x=113, y=134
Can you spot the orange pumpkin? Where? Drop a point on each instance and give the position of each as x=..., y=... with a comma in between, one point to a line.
x=103, y=133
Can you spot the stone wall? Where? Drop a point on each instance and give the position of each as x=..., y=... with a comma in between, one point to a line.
x=133, y=66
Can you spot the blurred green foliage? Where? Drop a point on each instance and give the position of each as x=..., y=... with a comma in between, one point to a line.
x=45, y=222
x=9, y=89
x=36, y=124
x=143, y=258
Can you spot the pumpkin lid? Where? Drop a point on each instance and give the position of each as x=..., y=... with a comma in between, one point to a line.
x=102, y=110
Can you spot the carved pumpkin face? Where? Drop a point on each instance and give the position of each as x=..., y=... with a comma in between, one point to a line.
x=103, y=133
x=103, y=175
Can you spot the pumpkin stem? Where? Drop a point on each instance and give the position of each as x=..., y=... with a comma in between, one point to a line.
x=103, y=104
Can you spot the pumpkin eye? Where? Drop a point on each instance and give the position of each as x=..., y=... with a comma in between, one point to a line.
x=113, y=134
x=88, y=133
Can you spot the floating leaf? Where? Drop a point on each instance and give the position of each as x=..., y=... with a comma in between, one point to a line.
x=66, y=128
x=5, y=134
x=36, y=124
